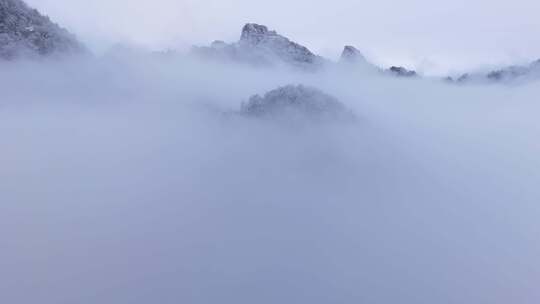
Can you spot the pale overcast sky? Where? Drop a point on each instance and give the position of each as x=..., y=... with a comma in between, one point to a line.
x=429, y=35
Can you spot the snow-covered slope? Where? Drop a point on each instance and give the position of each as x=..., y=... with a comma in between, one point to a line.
x=25, y=32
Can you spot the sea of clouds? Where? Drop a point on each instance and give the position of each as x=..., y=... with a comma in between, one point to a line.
x=129, y=178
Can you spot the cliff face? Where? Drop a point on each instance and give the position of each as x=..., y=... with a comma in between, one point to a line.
x=24, y=32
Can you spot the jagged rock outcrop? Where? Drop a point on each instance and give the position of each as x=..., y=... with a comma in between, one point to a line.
x=260, y=46
x=297, y=103
x=402, y=72
x=351, y=54
x=24, y=32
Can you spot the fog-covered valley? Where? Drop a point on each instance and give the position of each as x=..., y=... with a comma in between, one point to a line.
x=137, y=177
x=133, y=180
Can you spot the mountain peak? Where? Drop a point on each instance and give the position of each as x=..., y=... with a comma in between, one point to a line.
x=351, y=54
x=260, y=46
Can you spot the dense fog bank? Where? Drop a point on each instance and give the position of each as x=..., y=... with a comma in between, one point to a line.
x=132, y=178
